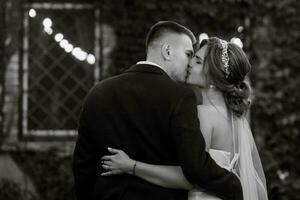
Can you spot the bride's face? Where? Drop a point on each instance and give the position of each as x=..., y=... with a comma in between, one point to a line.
x=197, y=75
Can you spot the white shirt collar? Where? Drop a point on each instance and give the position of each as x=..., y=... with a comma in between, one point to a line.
x=150, y=63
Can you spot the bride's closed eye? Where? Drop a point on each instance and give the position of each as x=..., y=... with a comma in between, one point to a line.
x=199, y=60
x=189, y=55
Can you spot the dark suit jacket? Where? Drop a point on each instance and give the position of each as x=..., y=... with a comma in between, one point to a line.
x=154, y=120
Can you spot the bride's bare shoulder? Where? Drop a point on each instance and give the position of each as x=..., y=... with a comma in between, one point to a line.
x=207, y=109
x=208, y=112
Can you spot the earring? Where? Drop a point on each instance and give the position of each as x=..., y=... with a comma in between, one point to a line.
x=212, y=86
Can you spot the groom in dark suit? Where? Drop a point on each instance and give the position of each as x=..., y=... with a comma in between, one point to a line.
x=146, y=113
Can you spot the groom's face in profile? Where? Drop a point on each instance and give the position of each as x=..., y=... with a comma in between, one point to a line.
x=182, y=53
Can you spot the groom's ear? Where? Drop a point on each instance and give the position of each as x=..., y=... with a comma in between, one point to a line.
x=166, y=51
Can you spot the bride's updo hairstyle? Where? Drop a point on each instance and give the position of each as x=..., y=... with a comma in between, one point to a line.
x=226, y=66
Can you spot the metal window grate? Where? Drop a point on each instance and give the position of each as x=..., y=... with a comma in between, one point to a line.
x=54, y=81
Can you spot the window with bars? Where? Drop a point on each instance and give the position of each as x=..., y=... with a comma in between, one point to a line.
x=60, y=65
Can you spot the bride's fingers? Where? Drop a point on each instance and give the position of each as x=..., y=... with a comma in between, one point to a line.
x=106, y=174
x=110, y=173
x=114, y=151
x=109, y=163
x=107, y=158
x=106, y=167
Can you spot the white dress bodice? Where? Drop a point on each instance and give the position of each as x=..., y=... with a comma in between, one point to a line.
x=222, y=158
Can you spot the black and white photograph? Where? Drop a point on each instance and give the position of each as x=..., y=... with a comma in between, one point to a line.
x=149, y=100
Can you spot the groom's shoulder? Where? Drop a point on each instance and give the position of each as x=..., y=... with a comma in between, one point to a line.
x=162, y=83
x=104, y=85
x=108, y=81
x=177, y=90
x=180, y=87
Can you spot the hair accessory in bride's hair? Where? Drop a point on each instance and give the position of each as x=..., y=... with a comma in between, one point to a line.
x=224, y=57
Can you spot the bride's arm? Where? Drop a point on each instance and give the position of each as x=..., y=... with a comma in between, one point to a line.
x=162, y=175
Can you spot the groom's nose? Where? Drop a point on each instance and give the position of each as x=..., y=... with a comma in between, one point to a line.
x=190, y=64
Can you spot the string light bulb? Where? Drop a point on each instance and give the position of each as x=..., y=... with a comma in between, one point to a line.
x=32, y=13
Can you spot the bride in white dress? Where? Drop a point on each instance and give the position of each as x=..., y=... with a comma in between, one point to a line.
x=219, y=68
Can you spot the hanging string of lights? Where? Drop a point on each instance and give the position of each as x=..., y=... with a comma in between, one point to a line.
x=76, y=52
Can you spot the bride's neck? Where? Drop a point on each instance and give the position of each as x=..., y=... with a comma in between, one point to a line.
x=212, y=95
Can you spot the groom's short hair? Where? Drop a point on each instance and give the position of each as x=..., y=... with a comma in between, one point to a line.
x=163, y=27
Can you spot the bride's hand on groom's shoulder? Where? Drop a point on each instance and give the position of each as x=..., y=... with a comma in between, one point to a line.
x=117, y=163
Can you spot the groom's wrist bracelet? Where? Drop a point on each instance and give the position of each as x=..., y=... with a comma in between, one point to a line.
x=133, y=169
